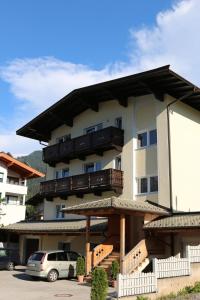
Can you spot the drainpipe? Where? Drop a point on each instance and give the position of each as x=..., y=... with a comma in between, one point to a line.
x=169, y=142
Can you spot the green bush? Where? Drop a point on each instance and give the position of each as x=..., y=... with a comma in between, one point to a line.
x=80, y=266
x=99, y=287
x=142, y=298
x=114, y=269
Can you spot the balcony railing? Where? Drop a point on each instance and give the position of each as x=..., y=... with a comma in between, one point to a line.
x=96, y=182
x=79, y=147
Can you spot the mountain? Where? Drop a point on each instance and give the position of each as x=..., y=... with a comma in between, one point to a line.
x=34, y=160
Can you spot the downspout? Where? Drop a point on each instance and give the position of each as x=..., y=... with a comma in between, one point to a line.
x=169, y=142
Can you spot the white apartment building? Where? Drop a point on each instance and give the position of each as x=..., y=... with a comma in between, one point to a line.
x=13, y=188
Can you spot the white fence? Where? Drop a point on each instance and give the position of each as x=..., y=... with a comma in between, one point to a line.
x=171, y=267
x=136, y=284
x=193, y=252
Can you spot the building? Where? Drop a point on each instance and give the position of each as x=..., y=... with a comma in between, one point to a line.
x=126, y=150
x=13, y=188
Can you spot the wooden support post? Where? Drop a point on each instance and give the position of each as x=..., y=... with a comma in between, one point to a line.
x=122, y=240
x=87, y=247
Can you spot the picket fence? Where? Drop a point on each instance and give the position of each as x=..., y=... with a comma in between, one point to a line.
x=143, y=283
x=171, y=267
x=193, y=252
x=136, y=284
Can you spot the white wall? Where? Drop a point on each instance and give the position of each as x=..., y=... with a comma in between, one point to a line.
x=185, y=157
x=11, y=213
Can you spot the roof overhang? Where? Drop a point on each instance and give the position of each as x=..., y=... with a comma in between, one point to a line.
x=19, y=167
x=68, y=227
x=114, y=205
x=158, y=81
x=175, y=223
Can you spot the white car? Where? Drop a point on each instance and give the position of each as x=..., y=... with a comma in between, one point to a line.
x=52, y=264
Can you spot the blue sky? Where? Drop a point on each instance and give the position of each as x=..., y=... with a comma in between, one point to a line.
x=51, y=47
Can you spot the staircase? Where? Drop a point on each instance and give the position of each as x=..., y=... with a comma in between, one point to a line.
x=107, y=262
x=135, y=260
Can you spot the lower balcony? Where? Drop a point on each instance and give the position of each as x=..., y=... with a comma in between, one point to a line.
x=96, y=182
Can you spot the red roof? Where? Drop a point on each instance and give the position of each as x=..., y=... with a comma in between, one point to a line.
x=20, y=167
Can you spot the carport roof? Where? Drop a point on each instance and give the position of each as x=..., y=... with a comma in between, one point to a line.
x=115, y=205
x=65, y=226
x=176, y=221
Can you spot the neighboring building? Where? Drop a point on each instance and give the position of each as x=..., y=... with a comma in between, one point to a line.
x=128, y=150
x=13, y=188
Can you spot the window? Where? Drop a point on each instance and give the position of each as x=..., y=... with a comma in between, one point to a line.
x=63, y=138
x=118, y=122
x=92, y=167
x=1, y=177
x=60, y=214
x=37, y=256
x=61, y=256
x=62, y=173
x=12, y=180
x=118, y=163
x=153, y=184
x=10, y=199
x=153, y=137
x=52, y=257
x=147, y=138
x=147, y=185
x=73, y=256
x=142, y=186
x=142, y=139
x=93, y=128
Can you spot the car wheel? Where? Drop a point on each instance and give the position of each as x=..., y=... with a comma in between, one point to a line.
x=52, y=276
x=10, y=266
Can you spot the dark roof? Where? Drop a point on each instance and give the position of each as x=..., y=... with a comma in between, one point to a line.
x=176, y=221
x=67, y=226
x=117, y=204
x=158, y=81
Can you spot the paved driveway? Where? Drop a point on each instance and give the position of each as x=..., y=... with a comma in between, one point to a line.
x=19, y=286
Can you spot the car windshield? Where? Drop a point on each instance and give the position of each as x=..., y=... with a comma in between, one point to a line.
x=37, y=256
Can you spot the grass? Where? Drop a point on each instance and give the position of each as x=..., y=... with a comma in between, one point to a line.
x=188, y=290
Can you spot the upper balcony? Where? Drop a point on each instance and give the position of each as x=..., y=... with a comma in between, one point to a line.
x=92, y=143
x=95, y=182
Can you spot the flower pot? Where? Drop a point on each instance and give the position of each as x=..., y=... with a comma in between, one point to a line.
x=80, y=278
x=114, y=283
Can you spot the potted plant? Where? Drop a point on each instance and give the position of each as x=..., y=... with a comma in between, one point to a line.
x=99, y=286
x=80, y=269
x=113, y=272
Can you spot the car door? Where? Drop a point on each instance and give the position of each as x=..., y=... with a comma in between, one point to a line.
x=62, y=261
x=72, y=257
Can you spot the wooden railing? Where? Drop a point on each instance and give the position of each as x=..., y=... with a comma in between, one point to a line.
x=135, y=257
x=104, y=180
x=100, y=252
x=79, y=147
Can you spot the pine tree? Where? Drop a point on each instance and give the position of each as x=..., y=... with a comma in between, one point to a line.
x=99, y=287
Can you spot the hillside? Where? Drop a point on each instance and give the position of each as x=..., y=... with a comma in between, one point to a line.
x=34, y=160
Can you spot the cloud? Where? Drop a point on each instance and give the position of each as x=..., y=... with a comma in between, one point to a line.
x=39, y=82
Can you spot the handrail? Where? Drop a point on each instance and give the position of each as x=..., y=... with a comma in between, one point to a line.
x=100, y=252
x=135, y=257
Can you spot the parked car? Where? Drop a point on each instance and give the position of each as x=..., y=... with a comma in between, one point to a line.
x=9, y=258
x=52, y=264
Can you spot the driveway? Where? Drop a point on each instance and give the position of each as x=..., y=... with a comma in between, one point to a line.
x=19, y=286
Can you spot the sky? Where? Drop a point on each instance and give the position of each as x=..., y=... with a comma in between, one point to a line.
x=50, y=47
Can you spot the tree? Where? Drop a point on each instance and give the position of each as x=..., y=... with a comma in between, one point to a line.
x=99, y=287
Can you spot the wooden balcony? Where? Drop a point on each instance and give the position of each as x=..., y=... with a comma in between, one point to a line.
x=92, y=143
x=96, y=182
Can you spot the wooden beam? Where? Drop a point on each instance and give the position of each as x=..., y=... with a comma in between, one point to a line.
x=122, y=241
x=88, y=266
